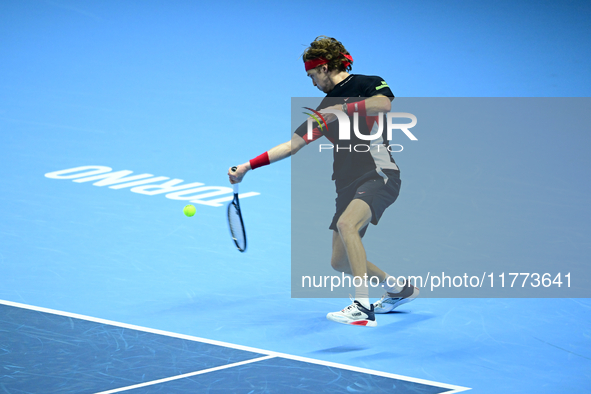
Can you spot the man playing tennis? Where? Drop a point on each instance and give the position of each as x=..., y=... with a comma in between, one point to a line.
x=367, y=182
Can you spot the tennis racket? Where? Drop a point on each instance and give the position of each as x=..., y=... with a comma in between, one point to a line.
x=235, y=220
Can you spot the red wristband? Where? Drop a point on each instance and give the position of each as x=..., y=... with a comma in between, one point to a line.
x=259, y=161
x=358, y=106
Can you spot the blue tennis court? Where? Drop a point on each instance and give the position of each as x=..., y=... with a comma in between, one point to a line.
x=115, y=116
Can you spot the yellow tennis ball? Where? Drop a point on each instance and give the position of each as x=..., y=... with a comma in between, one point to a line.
x=189, y=210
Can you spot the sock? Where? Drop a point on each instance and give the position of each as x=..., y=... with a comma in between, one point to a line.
x=362, y=296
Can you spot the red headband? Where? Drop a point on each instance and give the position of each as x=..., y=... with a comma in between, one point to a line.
x=310, y=64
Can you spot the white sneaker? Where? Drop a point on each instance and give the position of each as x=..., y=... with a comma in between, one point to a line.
x=390, y=301
x=355, y=314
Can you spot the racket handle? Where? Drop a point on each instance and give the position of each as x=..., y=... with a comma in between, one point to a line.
x=235, y=185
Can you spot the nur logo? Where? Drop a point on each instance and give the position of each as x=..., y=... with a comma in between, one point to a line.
x=345, y=124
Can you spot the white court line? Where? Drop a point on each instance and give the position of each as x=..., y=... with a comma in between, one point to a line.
x=454, y=388
x=153, y=382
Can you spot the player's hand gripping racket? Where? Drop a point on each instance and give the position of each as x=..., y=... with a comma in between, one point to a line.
x=235, y=220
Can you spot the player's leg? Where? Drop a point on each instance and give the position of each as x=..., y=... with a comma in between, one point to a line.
x=351, y=222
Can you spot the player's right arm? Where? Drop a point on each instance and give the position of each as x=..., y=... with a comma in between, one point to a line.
x=274, y=154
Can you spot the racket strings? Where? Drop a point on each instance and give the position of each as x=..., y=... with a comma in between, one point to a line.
x=236, y=226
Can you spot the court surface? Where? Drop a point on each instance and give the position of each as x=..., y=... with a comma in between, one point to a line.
x=105, y=285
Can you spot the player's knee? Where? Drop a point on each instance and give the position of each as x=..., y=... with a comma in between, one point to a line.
x=345, y=226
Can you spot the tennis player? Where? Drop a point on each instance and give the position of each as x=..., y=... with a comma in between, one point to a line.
x=367, y=182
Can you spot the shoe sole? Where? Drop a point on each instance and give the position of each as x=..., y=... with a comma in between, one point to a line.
x=366, y=323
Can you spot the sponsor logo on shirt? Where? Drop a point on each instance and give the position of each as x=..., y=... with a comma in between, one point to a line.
x=383, y=85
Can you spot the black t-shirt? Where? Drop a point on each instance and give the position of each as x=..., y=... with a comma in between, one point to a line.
x=355, y=157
